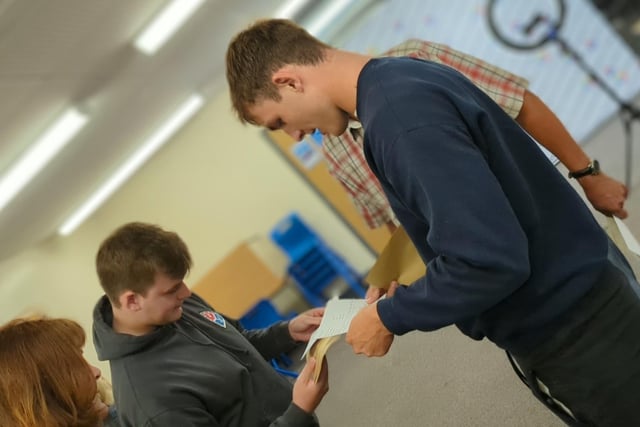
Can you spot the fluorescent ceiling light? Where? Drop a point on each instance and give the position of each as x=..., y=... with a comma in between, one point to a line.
x=291, y=9
x=165, y=25
x=40, y=153
x=162, y=135
x=328, y=15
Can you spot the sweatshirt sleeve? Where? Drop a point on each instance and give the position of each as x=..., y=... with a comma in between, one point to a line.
x=295, y=417
x=480, y=252
x=271, y=341
x=183, y=417
x=198, y=417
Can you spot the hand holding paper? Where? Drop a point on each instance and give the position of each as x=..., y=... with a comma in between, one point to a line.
x=398, y=262
x=309, y=390
x=337, y=317
x=367, y=334
x=302, y=326
x=335, y=322
x=374, y=294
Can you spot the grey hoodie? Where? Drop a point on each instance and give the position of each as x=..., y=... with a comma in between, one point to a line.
x=200, y=371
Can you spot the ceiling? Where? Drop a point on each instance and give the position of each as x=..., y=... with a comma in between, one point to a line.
x=59, y=53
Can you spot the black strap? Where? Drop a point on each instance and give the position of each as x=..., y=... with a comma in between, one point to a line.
x=529, y=379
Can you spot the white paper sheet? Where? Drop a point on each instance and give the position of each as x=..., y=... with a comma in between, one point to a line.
x=628, y=237
x=336, y=320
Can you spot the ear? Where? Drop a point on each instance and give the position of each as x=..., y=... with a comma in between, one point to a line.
x=129, y=300
x=287, y=78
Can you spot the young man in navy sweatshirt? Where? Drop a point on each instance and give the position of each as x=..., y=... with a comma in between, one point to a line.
x=512, y=252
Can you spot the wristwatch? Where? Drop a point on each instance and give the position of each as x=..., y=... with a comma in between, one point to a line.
x=592, y=169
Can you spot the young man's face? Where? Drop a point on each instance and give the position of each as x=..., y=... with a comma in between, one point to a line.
x=162, y=303
x=300, y=113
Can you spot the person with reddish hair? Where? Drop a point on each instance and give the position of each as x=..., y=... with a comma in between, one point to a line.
x=45, y=380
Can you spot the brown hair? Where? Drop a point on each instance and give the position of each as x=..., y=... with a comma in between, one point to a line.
x=257, y=52
x=44, y=379
x=130, y=258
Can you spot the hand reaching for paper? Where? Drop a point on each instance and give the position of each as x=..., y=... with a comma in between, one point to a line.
x=374, y=294
x=367, y=335
x=302, y=326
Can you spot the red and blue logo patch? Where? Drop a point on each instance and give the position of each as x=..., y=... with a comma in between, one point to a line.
x=214, y=317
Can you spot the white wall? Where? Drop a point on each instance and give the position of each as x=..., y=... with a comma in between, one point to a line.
x=216, y=184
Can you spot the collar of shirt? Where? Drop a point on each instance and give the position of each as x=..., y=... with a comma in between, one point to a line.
x=355, y=127
x=356, y=132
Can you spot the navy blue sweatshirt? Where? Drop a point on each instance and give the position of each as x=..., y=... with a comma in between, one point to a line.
x=509, y=245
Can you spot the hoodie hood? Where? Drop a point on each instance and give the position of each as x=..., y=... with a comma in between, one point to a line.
x=111, y=345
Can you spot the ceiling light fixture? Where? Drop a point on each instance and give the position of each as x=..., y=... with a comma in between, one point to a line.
x=327, y=15
x=291, y=9
x=159, y=138
x=165, y=25
x=40, y=153
x=325, y=19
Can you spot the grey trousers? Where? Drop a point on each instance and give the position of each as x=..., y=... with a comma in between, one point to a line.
x=592, y=363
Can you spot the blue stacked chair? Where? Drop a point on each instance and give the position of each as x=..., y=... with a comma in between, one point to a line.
x=312, y=263
x=263, y=315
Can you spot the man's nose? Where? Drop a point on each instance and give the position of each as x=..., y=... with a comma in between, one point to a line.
x=185, y=292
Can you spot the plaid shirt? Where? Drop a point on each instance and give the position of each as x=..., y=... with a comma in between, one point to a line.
x=344, y=154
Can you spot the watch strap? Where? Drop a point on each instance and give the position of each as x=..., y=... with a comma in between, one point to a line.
x=592, y=169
